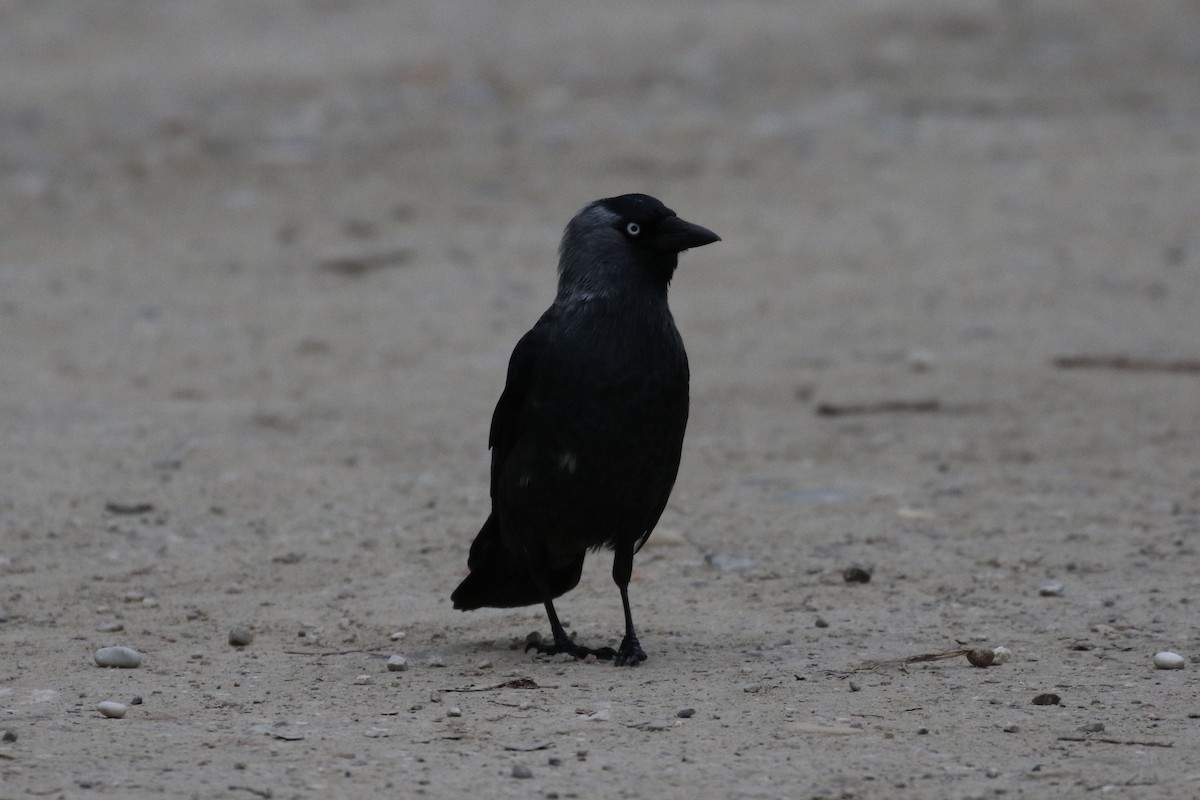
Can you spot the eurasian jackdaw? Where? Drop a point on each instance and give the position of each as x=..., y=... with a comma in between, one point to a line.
x=587, y=434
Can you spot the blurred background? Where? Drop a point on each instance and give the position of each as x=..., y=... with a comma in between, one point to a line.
x=337, y=209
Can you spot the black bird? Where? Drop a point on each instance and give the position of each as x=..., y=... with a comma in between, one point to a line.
x=587, y=434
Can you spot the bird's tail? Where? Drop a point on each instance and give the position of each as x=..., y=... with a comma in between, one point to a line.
x=499, y=579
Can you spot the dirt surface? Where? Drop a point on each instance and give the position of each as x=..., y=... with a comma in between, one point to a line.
x=262, y=266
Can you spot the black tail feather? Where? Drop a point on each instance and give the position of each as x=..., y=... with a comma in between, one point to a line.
x=499, y=580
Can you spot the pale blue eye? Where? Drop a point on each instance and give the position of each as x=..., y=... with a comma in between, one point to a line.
x=633, y=229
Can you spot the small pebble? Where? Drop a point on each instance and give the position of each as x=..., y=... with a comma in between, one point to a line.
x=453, y=711
x=821, y=622
x=922, y=731
x=920, y=360
x=397, y=664
x=136, y=700
x=435, y=660
x=1011, y=728
x=398, y=635
x=1047, y=699
x=857, y=574
x=10, y=735
x=855, y=686
x=981, y=657
x=1000, y=654
x=112, y=626
x=685, y=713
x=122, y=657
x=112, y=709
x=484, y=664
x=731, y=562
x=1168, y=660
x=521, y=771
x=1091, y=727
x=1054, y=589
x=239, y=636
x=363, y=680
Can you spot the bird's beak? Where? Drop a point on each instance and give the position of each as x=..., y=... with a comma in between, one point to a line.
x=676, y=235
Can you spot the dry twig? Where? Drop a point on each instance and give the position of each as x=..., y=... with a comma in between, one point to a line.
x=1126, y=363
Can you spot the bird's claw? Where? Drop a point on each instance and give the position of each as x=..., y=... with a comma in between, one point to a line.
x=631, y=653
x=577, y=650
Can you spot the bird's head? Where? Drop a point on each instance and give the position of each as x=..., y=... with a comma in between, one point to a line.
x=621, y=243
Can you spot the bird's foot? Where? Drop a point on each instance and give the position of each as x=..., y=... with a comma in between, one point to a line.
x=630, y=654
x=577, y=650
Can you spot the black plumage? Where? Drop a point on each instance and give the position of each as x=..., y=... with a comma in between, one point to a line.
x=587, y=435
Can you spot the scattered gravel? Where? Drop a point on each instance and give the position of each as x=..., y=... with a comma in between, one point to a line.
x=122, y=657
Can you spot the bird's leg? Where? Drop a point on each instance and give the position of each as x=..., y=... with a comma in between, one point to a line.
x=562, y=642
x=630, y=653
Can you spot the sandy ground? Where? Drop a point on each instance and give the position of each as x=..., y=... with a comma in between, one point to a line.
x=261, y=268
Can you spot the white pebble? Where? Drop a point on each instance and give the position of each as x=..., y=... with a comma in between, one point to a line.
x=1000, y=654
x=920, y=360
x=240, y=636
x=397, y=664
x=398, y=635
x=112, y=709
x=453, y=711
x=363, y=680
x=1054, y=589
x=1168, y=660
x=123, y=657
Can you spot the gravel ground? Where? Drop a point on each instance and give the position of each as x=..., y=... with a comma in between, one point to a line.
x=261, y=268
